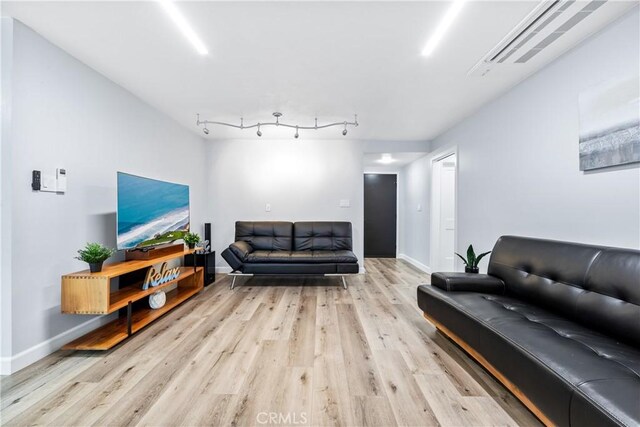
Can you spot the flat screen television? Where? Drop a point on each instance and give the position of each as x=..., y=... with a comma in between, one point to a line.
x=150, y=212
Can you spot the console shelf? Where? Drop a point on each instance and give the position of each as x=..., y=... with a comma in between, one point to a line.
x=115, y=332
x=89, y=293
x=121, y=298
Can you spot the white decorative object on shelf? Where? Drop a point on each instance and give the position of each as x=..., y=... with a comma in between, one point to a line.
x=157, y=299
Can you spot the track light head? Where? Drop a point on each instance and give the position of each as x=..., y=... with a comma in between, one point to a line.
x=259, y=133
x=297, y=135
x=344, y=132
x=205, y=130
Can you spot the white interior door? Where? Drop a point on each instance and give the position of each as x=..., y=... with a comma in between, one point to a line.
x=447, y=220
x=443, y=213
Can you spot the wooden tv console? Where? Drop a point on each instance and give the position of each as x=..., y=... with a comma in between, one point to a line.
x=90, y=293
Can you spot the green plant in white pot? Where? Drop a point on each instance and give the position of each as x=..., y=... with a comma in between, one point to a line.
x=95, y=255
x=472, y=260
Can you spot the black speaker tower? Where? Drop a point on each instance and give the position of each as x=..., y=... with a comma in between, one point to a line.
x=207, y=233
x=206, y=259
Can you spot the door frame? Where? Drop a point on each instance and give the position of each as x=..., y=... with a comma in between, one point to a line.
x=389, y=172
x=433, y=227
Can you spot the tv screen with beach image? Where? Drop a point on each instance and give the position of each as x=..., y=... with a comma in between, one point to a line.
x=150, y=212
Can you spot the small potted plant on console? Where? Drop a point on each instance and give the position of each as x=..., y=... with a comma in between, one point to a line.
x=95, y=254
x=471, y=261
x=191, y=239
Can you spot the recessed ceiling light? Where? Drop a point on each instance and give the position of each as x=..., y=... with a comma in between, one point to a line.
x=178, y=18
x=443, y=26
x=386, y=159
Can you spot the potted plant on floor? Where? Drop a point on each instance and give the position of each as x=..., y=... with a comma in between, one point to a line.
x=472, y=260
x=191, y=239
x=95, y=254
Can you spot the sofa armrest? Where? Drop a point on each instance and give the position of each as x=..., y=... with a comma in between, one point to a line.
x=241, y=249
x=467, y=282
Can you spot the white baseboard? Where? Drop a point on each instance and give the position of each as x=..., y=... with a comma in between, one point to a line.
x=9, y=365
x=5, y=365
x=415, y=263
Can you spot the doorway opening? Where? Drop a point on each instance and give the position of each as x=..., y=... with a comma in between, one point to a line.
x=380, y=215
x=443, y=212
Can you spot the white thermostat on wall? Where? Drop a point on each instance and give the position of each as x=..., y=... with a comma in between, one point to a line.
x=49, y=182
x=61, y=180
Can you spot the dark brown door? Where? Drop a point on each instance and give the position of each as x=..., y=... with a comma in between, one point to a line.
x=380, y=198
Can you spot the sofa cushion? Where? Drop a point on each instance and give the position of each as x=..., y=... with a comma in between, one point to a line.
x=266, y=235
x=596, y=286
x=593, y=407
x=302, y=257
x=322, y=236
x=551, y=359
x=611, y=301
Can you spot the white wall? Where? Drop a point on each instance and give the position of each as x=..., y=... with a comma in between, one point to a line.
x=65, y=114
x=518, y=156
x=303, y=180
x=6, y=52
x=414, y=224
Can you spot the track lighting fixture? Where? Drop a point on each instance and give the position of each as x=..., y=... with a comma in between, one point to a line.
x=277, y=122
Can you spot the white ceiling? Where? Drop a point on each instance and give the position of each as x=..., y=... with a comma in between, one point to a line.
x=330, y=59
x=372, y=160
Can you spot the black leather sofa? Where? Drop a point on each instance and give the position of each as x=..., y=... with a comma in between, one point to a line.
x=287, y=248
x=558, y=323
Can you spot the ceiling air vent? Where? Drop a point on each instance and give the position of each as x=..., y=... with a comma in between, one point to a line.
x=544, y=25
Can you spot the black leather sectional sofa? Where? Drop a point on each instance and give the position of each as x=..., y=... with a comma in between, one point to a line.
x=286, y=248
x=558, y=323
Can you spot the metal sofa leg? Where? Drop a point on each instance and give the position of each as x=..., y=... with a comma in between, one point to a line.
x=344, y=281
x=235, y=276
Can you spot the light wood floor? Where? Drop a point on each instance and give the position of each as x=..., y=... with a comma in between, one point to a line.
x=273, y=355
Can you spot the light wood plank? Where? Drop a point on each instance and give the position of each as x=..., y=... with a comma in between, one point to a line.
x=372, y=411
x=407, y=401
x=302, y=338
x=332, y=404
x=363, y=377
